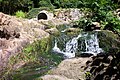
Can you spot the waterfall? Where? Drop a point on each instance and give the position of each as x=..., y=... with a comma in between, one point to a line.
x=91, y=44
x=56, y=49
x=84, y=43
x=70, y=49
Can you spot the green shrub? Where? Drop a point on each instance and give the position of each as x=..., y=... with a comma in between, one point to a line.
x=20, y=14
x=101, y=11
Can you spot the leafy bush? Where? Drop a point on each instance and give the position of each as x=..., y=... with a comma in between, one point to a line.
x=20, y=14
x=66, y=3
x=101, y=11
x=46, y=3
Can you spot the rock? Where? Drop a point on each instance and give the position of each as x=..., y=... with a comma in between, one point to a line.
x=98, y=69
x=92, y=69
x=68, y=14
x=108, y=40
x=96, y=25
x=36, y=34
x=96, y=62
x=106, y=60
x=60, y=15
x=53, y=31
x=75, y=14
x=93, y=26
x=9, y=27
x=55, y=77
x=106, y=69
x=71, y=68
x=74, y=30
x=117, y=12
x=15, y=34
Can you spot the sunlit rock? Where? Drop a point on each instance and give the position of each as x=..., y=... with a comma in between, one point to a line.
x=53, y=31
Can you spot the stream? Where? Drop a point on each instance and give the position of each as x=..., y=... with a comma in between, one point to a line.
x=80, y=43
x=66, y=45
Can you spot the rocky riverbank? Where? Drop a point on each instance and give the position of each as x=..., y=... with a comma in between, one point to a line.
x=16, y=33
x=100, y=67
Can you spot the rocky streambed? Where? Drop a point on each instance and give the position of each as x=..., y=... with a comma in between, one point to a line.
x=26, y=51
x=16, y=34
x=100, y=67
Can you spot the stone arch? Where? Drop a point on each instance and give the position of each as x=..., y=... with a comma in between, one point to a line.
x=42, y=16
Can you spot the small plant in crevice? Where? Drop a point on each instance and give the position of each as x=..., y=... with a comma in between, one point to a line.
x=20, y=14
x=88, y=75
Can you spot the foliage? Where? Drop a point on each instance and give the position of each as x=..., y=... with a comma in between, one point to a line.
x=20, y=14
x=88, y=75
x=11, y=6
x=101, y=11
x=66, y=3
x=46, y=3
x=84, y=22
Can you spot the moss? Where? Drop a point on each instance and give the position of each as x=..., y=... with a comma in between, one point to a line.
x=37, y=58
x=108, y=40
x=39, y=79
x=34, y=12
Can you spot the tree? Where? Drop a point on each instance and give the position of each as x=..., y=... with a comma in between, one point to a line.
x=11, y=6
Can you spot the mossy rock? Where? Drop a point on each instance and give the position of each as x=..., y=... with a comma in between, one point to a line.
x=37, y=58
x=35, y=11
x=53, y=31
x=72, y=30
x=108, y=40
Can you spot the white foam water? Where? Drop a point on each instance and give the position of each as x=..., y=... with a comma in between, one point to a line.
x=91, y=45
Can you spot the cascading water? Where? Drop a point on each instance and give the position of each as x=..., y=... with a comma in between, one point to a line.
x=84, y=43
x=70, y=49
x=91, y=44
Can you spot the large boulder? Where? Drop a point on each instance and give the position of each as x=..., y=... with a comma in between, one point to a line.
x=9, y=26
x=54, y=77
x=71, y=68
x=15, y=34
x=105, y=67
